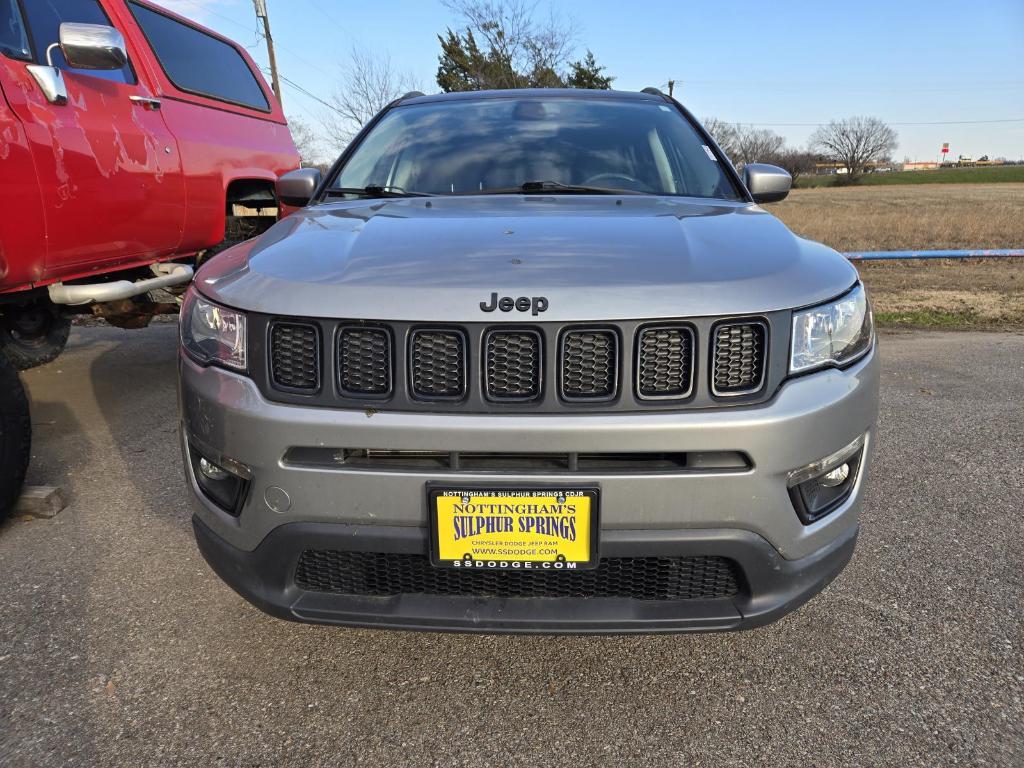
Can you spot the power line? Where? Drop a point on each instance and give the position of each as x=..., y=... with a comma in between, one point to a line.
x=297, y=57
x=300, y=89
x=341, y=27
x=212, y=12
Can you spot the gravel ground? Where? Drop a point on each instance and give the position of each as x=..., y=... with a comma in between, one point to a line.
x=119, y=647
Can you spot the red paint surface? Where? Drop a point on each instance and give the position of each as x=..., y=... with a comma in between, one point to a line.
x=103, y=183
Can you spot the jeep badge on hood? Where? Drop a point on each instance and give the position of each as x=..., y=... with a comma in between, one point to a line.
x=536, y=304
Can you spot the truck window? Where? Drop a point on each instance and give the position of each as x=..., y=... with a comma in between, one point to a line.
x=200, y=63
x=13, y=40
x=44, y=19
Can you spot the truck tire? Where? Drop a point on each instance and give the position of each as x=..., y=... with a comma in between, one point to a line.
x=15, y=436
x=33, y=334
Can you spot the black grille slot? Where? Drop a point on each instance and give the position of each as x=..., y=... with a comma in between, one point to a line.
x=364, y=361
x=383, y=574
x=513, y=365
x=589, y=364
x=295, y=356
x=664, y=362
x=738, y=358
x=438, y=364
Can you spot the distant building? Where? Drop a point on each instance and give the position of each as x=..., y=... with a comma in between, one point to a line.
x=827, y=169
x=925, y=165
x=830, y=168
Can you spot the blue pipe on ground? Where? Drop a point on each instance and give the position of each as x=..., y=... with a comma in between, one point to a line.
x=882, y=255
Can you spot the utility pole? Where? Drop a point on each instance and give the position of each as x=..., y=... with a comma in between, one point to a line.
x=261, y=13
x=671, y=87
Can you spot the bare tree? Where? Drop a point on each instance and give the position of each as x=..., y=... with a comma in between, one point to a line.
x=368, y=82
x=724, y=134
x=798, y=162
x=855, y=142
x=757, y=145
x=306, y=141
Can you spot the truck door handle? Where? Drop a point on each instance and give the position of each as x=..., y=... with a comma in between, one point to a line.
x=145, y=101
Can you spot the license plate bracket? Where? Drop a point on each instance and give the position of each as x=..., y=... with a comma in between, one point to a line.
x=515, y=528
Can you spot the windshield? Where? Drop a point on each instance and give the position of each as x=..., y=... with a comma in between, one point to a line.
x=496, y=145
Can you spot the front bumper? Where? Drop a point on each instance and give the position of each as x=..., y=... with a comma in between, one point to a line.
x=746, y=516
x=774, y=586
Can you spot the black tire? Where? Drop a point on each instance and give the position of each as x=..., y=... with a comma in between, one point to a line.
x=33, y=334
x=15, y=436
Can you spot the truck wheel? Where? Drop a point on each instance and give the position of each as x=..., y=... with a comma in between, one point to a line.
x=33, y=334
x=15, y=436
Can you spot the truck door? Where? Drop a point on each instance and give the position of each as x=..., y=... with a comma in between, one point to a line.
x=22, y=228
x=108, y=166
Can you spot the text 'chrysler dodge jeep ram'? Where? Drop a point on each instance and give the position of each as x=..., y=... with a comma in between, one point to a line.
x=529, y=361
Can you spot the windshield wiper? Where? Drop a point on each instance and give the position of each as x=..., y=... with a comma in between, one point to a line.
x=375, y=190
x=556, y=187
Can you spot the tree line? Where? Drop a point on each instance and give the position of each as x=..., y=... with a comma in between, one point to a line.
x=854, y=143
x=505, y=44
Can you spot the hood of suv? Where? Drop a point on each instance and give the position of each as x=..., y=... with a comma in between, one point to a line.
x=587, y=257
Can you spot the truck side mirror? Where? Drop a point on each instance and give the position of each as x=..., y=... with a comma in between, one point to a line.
x=92, y=46
x=766, y=183
x=85, y=46
x=296, y=188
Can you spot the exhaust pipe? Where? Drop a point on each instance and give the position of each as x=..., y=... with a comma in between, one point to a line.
x=97, y=293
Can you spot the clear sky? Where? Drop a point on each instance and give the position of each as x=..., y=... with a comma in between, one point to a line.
x=782, y=64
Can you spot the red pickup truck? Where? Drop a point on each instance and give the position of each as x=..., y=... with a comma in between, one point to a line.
x=132, y=142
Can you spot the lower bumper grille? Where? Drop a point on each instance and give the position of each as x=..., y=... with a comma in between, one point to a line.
x=381, y=574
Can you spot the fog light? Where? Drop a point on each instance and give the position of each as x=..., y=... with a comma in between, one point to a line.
x=822, y=486
x=211, y=470
x=224, y=487
x=836, y=477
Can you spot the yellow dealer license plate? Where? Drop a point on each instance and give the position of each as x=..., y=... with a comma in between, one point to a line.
x=520, y=529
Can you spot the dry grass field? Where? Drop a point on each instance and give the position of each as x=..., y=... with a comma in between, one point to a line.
x=971, y=293
x=975, y=293
x=919, y=216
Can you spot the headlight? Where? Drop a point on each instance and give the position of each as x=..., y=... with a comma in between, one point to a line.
x=831, y=334
x=211, y=333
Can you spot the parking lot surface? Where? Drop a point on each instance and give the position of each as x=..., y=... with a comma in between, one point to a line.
x=118, y=645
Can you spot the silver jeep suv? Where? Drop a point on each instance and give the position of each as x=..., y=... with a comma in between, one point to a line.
x=529, y=361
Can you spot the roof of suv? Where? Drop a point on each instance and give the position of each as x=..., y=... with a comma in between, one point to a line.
x=520, y=92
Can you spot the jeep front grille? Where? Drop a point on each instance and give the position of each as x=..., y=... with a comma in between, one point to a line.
x=540, y=367
x=364, y=361
x=383, y=574
x=738, y=358
x=665, y=362
x=513, y=365
x=438, y=365
x=590, y=363
x=295, y=356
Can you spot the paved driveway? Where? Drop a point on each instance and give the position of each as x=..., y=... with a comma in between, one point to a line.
x=118, y=646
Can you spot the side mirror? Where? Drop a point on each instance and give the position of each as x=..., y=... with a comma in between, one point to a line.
x=296, y=187
x=92, y=46
x=766, y=183
x=85, y=46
